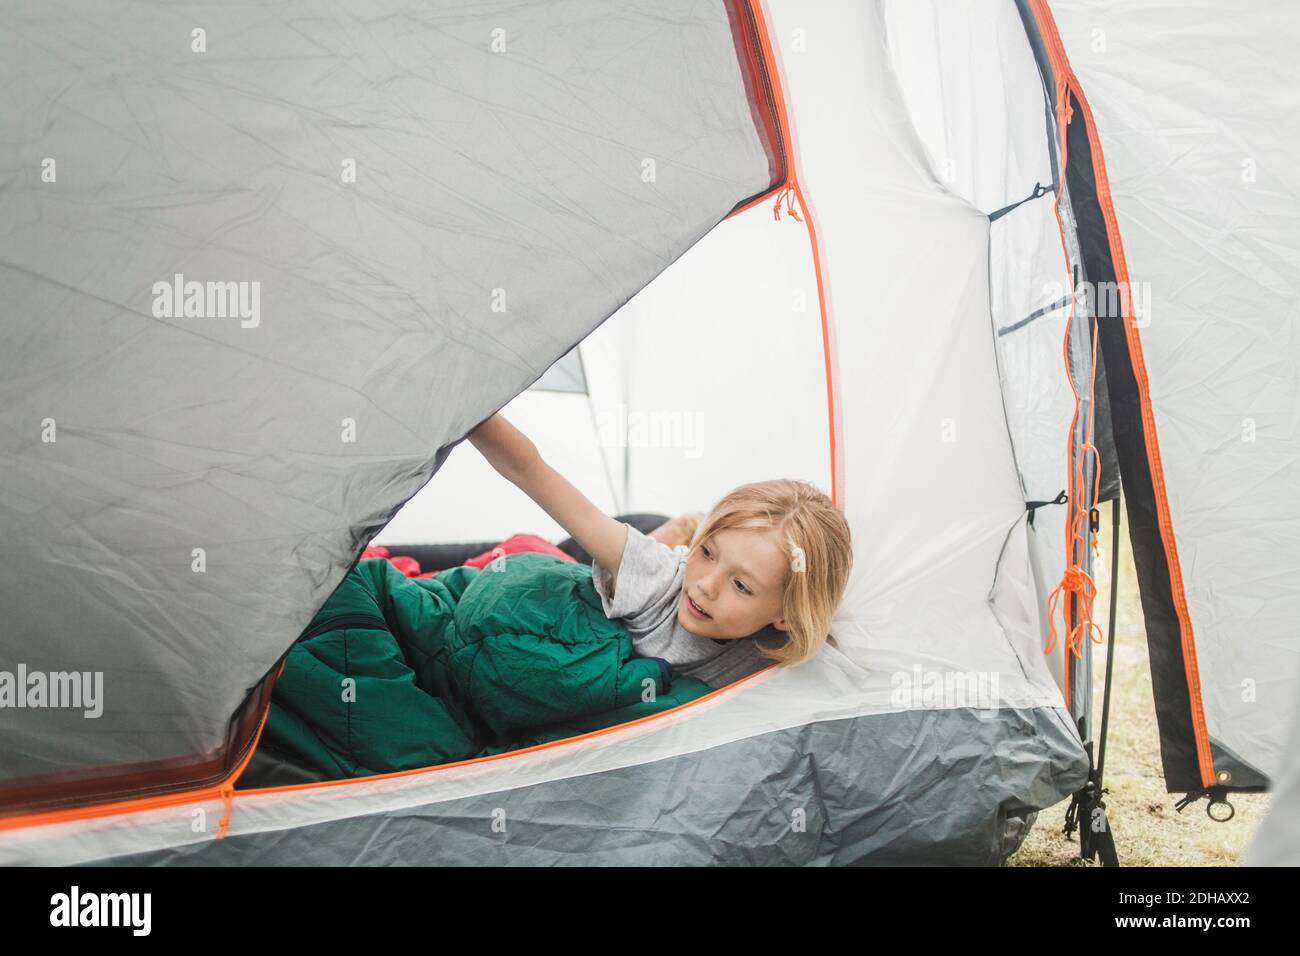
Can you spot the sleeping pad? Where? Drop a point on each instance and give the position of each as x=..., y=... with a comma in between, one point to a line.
x=396, y=673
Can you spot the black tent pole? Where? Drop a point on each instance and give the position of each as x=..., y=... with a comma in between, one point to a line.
x=1087, y=810
x=1110, y=636
x=1098, y=838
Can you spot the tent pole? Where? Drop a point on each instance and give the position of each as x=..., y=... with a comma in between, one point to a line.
x=1110, y=634
x=1095, y=836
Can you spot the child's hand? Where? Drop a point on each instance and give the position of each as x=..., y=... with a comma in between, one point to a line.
x=517, y=459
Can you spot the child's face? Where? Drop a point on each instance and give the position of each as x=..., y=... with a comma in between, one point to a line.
x=737, y=577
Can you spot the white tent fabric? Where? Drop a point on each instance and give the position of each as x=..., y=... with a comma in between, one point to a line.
x=469, y=502
x=1196, y=108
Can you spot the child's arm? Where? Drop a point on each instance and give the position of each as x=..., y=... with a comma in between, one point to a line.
x=516, y=458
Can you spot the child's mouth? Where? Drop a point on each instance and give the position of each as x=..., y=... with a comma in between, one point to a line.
x=696, y=610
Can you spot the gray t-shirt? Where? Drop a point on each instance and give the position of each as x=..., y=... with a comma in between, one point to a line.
x=646, y=596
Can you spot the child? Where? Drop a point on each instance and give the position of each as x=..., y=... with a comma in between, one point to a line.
x=757, y=582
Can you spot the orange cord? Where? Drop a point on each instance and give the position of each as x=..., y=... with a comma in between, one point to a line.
x=227, y=795
x=788, y=195
x=1075, y=580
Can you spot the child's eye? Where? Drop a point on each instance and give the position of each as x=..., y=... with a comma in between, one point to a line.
x=706, y=551
x=743, y=589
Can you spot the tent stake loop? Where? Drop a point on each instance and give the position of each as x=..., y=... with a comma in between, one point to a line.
x=1218, y=797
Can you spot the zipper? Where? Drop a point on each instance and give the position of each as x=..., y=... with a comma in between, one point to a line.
x=761, y=61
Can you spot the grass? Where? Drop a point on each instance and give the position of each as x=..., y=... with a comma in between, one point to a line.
x=1148, y=830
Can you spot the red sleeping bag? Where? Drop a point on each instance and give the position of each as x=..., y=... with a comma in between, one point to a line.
x=514, y=544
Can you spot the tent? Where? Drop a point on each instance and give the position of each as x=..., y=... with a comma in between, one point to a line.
x=266, y=268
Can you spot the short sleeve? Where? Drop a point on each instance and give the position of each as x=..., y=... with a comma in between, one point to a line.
x=647, y=580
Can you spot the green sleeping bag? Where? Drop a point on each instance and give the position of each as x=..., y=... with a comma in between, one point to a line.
x=396, y=673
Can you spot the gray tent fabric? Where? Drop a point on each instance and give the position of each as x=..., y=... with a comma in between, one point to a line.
x=260, y=266
x=918, y=787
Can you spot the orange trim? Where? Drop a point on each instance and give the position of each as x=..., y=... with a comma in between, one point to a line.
x=793, y=189
x=225, y=791
x=66, y=789
x=746, y=30
x=828, y=354
x=220, y=791
x=786, y=192
x=228, y=797
x=1067, y=81
x=290, y=788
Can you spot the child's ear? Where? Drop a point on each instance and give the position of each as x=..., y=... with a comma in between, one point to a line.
x=781, y=624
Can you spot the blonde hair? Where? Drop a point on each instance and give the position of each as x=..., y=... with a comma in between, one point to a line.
x=819, y=546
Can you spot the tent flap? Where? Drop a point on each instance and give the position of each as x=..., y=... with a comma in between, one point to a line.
x=263, y=272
